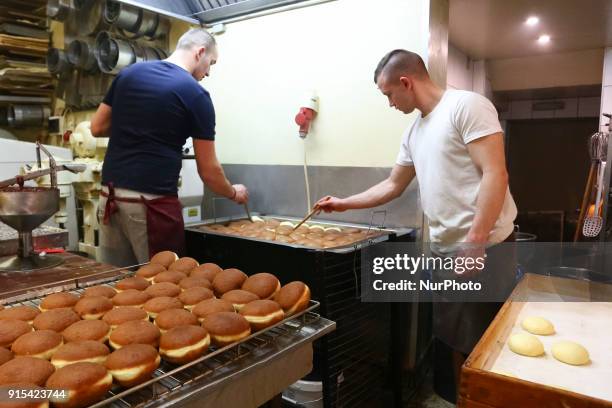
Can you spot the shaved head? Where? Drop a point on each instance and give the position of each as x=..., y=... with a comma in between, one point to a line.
x=399, y=63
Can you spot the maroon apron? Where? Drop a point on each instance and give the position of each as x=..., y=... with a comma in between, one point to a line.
x=165, y=227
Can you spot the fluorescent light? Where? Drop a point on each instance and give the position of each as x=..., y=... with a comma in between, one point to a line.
x=532, y=20
x=544, y=39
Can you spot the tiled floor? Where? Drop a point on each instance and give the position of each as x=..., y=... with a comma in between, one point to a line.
x=427, y=398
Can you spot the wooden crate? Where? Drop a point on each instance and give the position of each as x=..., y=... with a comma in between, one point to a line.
x=480, y=387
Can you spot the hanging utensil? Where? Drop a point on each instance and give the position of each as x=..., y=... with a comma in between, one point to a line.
x=248, y=213
x=593, y=223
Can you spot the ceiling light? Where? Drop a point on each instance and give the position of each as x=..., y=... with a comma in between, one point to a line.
x=531, y=21
x=544, y=39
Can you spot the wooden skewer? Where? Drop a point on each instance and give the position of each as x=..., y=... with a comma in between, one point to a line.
x=315, y=210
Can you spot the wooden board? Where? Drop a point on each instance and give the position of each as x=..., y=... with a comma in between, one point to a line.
x=544, y=382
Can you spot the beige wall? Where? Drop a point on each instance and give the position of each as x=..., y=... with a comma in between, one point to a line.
x=267, y=64
x=550, y=70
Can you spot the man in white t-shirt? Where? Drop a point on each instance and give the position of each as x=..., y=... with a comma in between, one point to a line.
x=455, y=149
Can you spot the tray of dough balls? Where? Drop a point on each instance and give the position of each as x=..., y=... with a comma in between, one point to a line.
x=109, y=338
x=557, y=335
x=281, y=230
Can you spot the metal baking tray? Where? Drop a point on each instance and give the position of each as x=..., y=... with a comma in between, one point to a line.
x=166, y=386
x=384, y=234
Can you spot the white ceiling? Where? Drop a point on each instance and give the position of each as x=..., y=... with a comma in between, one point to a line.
x=494, y=29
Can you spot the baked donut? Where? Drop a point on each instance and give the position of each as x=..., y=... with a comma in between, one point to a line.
x=172, y=318
x=134, y=331
x=262, y=313
x=194, y=282
x=149, y=271
x=183, y=344
x=185, y=265
x=131, y=297
x=293, y=297
x=169, y=276
x=210, y=306
x=192, y=296
x=161, y=303
x=93, y=307
x=133, y=364
x=29, y=389
x=24, y=313
x=238, y=298
x=226, y=328
x=39, y=344
x=58, y=300
x=164, y=258
x=264, y=285
x=207, y=271
x=163, y=289
x=97, y=330
x=134, y=282
x=26, y=369
x=11, y=330
x=100, y=290
x=227, y=280
x=85, y=382
x=6, y=354
x=124, y=314
x=80, y=351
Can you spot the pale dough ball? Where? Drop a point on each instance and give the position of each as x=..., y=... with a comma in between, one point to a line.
x=570, y=353
x=538, y=325
x=526, y=345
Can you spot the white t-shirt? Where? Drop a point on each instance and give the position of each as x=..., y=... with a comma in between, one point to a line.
x=448, y=179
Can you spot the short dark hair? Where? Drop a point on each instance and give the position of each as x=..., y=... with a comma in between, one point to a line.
x=400, y=63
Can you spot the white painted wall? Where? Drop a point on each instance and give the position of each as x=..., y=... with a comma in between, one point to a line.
x=460, y=69
x=266, y=65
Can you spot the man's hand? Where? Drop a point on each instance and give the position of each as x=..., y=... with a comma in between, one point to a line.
x=242, y=194
x=330, y=204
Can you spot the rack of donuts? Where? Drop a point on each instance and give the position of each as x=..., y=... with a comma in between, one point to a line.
x=108, y=340
x=310, y=235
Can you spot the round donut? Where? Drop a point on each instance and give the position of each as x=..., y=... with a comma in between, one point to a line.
x=58, y=300
x=100, y=290
x=194, y=282
x=97, y=330
x=26, y=369
x=133, y=364
x=29, y=389
x=227, y=280
x=85, y=382
x=184, y=265
x=131, y=297
x=134, y=331
x=210, y=306
x=24, y=313
x=149, y=271
x=163, y=289
x=171, y=318
x=134, y=282
x=293, y=297
x=262, y=313
x=80, y=351
x=264, y=285
x=161, y=303
x=164, y=258
x=169, y=276
x=192, y=296
x=93, y=307
x=183, y=344
x=226, y=328
x=124, y=314
x=39, y=344
x=11, y=330
x=238, y=298
x=207, y=271
x=6, y=354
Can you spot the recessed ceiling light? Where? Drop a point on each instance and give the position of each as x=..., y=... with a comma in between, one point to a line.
x=532, y=20
x=544, y=39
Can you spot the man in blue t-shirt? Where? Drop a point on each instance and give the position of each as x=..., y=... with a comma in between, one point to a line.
x=149, y=111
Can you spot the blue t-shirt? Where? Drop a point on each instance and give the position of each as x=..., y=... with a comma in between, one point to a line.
x=156, y=106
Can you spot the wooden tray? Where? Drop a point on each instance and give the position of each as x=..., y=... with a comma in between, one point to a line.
x=493, y=376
